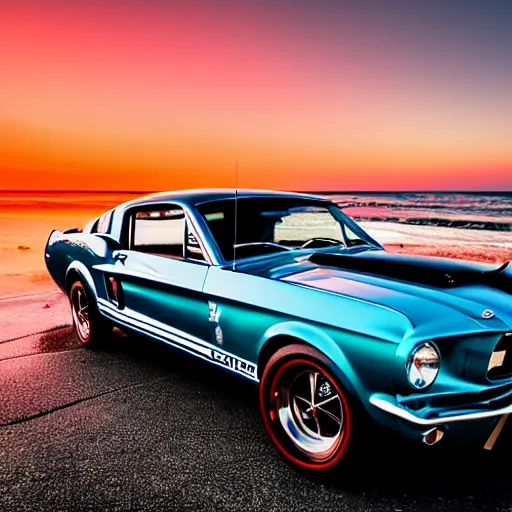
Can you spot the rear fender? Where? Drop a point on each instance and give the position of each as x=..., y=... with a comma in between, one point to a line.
x=83, y=271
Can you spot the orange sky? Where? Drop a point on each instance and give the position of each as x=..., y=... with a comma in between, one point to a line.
x=158, y=95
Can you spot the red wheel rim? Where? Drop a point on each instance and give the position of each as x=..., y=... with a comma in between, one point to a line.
x=297, y=439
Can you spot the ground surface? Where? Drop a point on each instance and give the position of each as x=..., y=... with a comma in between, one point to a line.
x=137, y=426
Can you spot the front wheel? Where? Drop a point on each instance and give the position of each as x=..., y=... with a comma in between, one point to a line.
x=91, y=328
x=305, y=409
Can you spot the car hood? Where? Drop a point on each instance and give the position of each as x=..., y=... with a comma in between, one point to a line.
x=427, y=290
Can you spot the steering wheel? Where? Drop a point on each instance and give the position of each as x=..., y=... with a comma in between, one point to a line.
x=320, y=242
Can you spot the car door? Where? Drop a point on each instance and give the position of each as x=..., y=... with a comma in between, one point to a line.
x=156, y=280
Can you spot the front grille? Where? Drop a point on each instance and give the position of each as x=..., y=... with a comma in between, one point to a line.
x=500, y=364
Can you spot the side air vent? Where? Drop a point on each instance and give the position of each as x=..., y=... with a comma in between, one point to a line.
x=114, y=291
x=500, y=364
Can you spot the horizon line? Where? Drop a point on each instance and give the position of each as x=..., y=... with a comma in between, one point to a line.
x=447, y=191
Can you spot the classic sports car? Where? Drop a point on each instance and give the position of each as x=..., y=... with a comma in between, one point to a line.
x=288, y=291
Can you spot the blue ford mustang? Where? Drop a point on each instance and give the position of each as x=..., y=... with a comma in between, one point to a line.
x=288, y=291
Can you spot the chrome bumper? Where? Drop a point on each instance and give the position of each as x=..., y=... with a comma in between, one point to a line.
x=404, y=414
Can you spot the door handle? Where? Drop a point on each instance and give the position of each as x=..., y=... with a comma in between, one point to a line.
x=120, y=256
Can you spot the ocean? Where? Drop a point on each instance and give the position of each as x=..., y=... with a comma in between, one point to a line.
x=473, y=222
x=477, y=224
x=465, y=210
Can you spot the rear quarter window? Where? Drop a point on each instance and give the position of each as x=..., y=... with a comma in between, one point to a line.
x=104, y=223
x=91, y=226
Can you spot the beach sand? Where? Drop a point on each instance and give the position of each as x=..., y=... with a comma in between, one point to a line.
x=26, y=223
x=465, y=244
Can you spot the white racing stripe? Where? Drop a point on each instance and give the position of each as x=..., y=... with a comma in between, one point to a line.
x=179, y=339
x=134, y=315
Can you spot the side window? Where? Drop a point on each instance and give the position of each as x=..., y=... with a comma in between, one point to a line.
x=159, y=232
x=162, y=232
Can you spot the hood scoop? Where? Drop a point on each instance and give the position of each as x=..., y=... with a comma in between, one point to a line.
x=438, y=272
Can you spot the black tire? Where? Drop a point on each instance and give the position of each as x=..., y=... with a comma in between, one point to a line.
x=91, y=328
x=315, y=432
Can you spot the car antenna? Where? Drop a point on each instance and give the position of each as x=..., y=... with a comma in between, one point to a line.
x=236, y=216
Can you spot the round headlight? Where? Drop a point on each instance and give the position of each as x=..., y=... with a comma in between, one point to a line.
x=423, y=365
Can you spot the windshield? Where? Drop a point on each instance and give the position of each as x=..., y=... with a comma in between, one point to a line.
x=266, y=225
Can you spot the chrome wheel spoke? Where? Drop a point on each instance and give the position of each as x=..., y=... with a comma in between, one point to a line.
x=327, y=401
x=318, y=429
x=307, y=402
x=299, y=408
x=312, y=386
x=330, y=415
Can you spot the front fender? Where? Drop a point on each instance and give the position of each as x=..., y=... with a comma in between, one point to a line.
x=319, y=339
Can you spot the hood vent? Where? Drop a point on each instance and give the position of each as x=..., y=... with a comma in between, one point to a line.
x=438, y=272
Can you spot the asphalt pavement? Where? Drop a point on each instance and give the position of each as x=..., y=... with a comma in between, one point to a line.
x=140, y=426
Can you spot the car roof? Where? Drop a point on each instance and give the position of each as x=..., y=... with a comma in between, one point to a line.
x=195, y=197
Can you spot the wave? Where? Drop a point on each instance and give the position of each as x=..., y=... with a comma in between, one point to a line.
x=481, y=211
x=440, y=222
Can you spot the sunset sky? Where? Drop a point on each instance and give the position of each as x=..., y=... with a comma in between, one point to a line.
x=304, y=95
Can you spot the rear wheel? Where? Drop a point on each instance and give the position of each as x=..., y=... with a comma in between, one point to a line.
x=305, y=410
x=90, y=327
